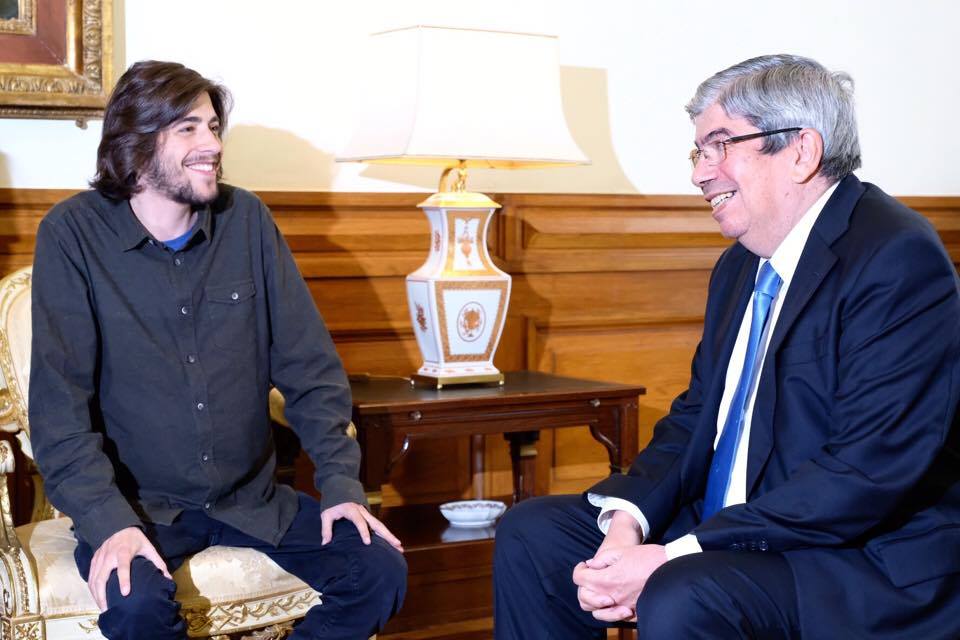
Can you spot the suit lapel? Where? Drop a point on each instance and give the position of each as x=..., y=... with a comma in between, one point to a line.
x=734, y=298
x=729, y=323
x=815, y=263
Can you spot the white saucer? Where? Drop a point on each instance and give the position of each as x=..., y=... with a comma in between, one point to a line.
x=479, y=524
x=473, y=514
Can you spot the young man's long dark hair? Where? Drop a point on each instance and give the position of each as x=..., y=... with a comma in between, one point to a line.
x=149, y=97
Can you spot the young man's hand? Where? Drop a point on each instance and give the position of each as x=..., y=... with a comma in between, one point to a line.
x=117, y=552
x=362, y=519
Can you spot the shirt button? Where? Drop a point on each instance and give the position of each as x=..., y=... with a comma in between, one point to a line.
x=204, y=457
x=207, y=506
x=200, y=406
x=185, y=310
x=177, y=261
x=234, y=296
x=191, y=358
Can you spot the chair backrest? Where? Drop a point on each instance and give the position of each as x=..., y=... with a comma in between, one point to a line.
x=15, y=335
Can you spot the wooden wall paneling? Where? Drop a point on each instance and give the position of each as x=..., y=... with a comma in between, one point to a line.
x=606, y=286
x=944, y=213
x=587, y=272
x=571, y=233
x=20, y=213
x=657, y=354
x=354, y=305
x=610, y=298
x=355, y=254
x=355, y=237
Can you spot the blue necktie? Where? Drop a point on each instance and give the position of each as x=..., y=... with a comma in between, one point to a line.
x=721, y=467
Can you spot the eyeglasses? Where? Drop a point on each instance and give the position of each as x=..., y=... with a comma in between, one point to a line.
x=716, y=152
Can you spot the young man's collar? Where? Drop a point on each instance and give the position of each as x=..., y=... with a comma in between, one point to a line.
x=131, y=232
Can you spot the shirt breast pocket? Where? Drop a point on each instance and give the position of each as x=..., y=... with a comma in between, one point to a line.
x=231, y=309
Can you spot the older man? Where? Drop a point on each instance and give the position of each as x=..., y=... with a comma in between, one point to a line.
x=164, y=306
x=806, y=483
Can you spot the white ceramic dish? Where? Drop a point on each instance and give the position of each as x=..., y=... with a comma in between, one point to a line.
x=473, y=513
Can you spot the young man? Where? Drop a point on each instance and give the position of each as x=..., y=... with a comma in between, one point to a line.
x=165, y=305
x=806, y=483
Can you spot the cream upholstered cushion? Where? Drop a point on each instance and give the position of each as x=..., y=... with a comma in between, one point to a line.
x=221, y=588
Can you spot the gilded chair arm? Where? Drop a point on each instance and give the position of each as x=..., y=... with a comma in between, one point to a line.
x=7, y=464
x=8, y=535
x=277, y=405
x=18, y=579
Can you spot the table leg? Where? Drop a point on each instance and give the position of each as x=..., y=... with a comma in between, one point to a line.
x=381, y=449
x=523, y=456
x=477, y=452
x=617, y=431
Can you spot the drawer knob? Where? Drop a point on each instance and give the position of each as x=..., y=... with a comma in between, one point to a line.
x=415, y=415
x=595, y=403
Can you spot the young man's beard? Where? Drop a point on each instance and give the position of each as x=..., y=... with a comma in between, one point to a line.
x=165, y=179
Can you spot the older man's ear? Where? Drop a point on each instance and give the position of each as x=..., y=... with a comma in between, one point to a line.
x=808, y=150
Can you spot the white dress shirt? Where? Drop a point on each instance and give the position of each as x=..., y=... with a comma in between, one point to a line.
x=784, y=261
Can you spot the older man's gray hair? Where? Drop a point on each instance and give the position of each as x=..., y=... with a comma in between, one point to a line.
x=782, y=91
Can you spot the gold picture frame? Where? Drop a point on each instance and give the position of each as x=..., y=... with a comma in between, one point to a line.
x=56, y=58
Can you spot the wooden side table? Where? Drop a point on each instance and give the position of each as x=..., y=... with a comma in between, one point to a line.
x=451, y=569
x=391, y=415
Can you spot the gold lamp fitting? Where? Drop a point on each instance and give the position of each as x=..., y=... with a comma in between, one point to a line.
x=460, y=184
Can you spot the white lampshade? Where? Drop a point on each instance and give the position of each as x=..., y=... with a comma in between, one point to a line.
x=437, y=95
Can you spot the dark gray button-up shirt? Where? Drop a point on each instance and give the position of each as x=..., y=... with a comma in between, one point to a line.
x=151, y=370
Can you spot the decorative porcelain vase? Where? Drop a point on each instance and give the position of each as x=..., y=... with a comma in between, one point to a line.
x=458, y=299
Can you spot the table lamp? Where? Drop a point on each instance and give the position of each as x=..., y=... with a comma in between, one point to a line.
x=459, y=99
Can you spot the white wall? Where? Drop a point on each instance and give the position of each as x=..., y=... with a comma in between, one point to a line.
x=629, y=67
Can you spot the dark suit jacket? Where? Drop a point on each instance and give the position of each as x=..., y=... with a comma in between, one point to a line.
x=853, y=462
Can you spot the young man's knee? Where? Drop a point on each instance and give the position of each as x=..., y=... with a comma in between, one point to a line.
x=383, y=574
x=147, y=585
x=393, y=572
x=148, y=611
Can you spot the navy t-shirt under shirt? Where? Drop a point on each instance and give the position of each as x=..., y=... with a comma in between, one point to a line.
x=179, y=242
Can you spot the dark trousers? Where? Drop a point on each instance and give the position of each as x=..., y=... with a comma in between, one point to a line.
x=715, y=594
x=362, y=586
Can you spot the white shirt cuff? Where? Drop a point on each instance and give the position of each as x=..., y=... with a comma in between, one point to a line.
x=608, y=505
x=682, y=546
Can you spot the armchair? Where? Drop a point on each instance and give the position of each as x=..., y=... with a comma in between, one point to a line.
x=224, y=591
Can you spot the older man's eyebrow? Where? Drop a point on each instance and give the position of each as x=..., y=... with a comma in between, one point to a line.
x=721, y=132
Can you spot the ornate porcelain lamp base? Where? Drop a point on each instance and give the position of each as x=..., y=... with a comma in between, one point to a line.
x=458, y=299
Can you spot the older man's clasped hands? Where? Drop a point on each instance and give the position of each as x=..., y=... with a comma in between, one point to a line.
x=609, y=583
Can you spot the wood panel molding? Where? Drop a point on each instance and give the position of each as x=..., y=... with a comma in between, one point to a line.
x=570, y=233
x=368, y=235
